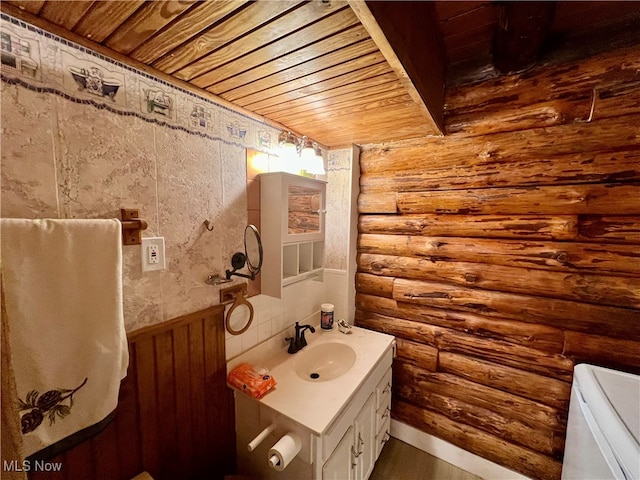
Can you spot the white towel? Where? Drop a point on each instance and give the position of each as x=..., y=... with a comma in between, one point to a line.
x=62, y=281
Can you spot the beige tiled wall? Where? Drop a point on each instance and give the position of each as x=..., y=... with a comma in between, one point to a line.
x=62, y=159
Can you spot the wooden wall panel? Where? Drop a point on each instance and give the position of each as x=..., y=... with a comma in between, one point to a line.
x=175, y=415
x=506, y=252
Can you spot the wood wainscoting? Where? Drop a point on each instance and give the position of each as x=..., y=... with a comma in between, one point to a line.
x=506, y=252
x=175, y=416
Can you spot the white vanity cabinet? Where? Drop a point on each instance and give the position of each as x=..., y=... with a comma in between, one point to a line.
x=292, y=227
x=343, y=423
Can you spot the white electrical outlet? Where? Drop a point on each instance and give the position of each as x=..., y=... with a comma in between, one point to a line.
x=153, y=254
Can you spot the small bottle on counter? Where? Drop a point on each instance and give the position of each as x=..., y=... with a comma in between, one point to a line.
x=326, y=316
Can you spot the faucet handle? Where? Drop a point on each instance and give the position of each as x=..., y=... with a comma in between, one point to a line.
x=293, y=347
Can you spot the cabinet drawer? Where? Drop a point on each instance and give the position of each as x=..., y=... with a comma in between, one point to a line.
x=383, y=436
x=383, y=390
x=383, y=414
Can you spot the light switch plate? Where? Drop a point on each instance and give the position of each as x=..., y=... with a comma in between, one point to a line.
x=153, y=254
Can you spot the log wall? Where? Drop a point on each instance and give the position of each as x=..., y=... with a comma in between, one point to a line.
x=506, y=252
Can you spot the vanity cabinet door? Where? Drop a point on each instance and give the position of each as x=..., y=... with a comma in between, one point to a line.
x=341, y=464
x=365, y=438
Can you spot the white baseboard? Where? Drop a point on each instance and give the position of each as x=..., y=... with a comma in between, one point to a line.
x=452, y=454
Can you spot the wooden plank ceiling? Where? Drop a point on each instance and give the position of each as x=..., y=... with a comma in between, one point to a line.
x=338, y=72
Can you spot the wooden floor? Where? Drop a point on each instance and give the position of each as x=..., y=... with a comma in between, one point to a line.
x=400, y=461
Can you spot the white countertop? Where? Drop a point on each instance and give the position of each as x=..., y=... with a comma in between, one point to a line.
x=316, y=404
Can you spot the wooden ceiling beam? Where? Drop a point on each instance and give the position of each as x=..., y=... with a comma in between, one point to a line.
x=406, y=33
x=520, y=34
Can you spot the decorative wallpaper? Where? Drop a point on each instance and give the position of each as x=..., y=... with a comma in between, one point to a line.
x=83, y=136
x=44, y=62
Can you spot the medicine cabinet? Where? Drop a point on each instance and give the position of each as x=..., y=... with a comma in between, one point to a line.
x=292, y=218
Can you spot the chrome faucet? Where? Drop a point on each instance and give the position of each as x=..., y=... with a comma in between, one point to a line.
x=298, y=342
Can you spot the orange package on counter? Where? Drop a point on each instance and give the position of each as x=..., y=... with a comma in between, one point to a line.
x=252, y=382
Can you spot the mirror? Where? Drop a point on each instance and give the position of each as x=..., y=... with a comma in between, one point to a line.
x=253, y=249
x=252, y=256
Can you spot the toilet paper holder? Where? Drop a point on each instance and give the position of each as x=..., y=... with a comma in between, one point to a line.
x=253, y=444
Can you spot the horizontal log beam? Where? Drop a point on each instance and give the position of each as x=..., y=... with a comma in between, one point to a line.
x=617, y=229
x=532, y=464
x=528, y=412
x=583, y=287
x=380, y=203
x=407, y=387
x=533, y=386
x=537, y=336
x=551, y=365
x=557, y=256
x=615, y=352
x=595, y=319
x=575, y=168
x=600, y=199
x=536, y=227
x=424, y=356
x=375, y=285
x=459, y=149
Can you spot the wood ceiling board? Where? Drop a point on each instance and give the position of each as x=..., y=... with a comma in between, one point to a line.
x=485, y=15
x=401, y=99
x=445, y=11
x=104, y=17
x=381, y=68
x=388, y=124
x=309, y=43
x=376, y=97
x=251, y=17
x=296, y=57
x=65, y=13
x=407, y=33
x=346, y=91
x=323, y=66
x=201, y=17
x=344, y=69
x=146, y=22
x=271, y=32
x=31, y=6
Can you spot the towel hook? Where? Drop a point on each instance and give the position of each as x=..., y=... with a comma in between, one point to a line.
x=207, y=225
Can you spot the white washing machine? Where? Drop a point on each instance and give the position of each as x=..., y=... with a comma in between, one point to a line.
x=603, y=431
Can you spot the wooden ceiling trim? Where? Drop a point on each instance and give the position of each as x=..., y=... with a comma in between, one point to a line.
x=146, y=22
x=392, y=94
x=429, y=100
x=267, y=38
x=104, y=17
x=319, y=66
x=31, y=6
x=307, y=53
x=249, y=18
x=65, y=13
x=201, y=17
x=334, y=94
x=355, y=76
x=343, y=69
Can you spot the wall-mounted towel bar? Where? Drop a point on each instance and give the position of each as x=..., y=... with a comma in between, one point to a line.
x=132, y=226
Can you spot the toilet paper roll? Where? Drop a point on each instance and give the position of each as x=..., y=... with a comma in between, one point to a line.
x=284, y=451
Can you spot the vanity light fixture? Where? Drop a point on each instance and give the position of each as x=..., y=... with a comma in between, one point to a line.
x=316, y=165
x=298, y=155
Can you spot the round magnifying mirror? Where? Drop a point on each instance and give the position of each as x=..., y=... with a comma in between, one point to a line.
x=253, y=249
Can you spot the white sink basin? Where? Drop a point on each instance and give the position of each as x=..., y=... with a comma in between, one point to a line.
x=324, y=362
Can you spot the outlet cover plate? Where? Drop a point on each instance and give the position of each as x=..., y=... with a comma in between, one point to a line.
x=158, y=242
